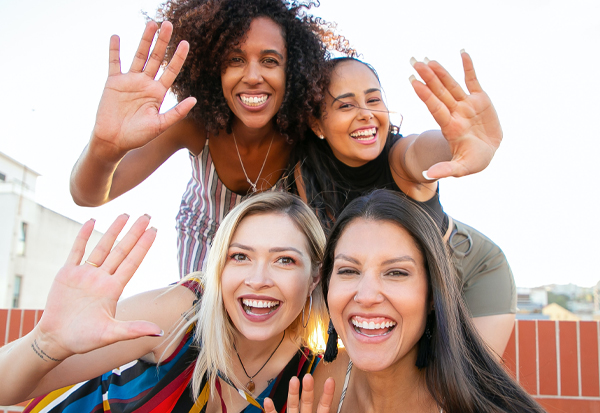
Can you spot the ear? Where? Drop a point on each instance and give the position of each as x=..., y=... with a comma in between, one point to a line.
x=315, y=279
x=315, y=125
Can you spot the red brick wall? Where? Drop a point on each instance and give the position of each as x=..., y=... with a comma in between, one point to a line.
x=556, y=361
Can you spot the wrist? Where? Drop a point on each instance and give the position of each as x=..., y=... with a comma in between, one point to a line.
x=105, y=152
x=47, y=349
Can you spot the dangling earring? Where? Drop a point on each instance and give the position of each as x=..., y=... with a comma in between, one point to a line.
x=425, y=353
x=331, y=350
x=309, y=311
x=321, y=136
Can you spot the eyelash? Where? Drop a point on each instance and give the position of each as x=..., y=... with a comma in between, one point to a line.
x=292, y=261
x=236, y=257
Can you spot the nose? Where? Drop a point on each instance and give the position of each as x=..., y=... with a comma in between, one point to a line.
x=369, y=291
x=364, y=113
x=252, y=73
x=259, y=277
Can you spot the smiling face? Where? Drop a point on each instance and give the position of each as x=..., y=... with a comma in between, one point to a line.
x=267, y=277
x=254, y=75
x=355, y=121
x=378, y=294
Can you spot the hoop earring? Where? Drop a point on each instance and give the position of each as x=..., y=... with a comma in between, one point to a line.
x=425, y=353
x=309, y=311
x=331, y=350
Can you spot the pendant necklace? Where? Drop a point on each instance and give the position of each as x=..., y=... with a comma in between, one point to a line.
x=250, y=385
x=255, y=183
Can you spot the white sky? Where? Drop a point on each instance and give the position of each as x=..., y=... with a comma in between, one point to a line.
x=537, y=59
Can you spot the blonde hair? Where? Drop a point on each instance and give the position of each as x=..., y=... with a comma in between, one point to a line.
x=214, y=334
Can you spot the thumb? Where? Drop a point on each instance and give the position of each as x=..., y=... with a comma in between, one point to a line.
x=177, y=113
x=444, y=170
x=129, y=330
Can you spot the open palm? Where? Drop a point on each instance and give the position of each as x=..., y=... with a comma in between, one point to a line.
x=469, y=122
x=79, y=314
x=129, y=115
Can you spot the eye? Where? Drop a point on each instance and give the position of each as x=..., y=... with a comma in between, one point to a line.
x=397, y=273
x=346, y=106
x=270, y=61
x=374, y=101
x=286, y=260
x=235, y=61
x=238, y=257
x=347, y=271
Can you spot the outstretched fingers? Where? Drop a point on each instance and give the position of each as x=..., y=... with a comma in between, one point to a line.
x=434, y=83
x=78, y=249
x=326, y=401
x=120, y=252
x=101, y=251
x=470, y=76
x=134, y=258
x=114, y=56
x=176, y=63
x=158, y=52
x=141, y=55
x=438, y=110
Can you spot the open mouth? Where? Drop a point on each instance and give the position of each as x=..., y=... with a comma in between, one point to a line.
x=259, y=307
x=253, y=100
x=364, y=134
x=372, y=327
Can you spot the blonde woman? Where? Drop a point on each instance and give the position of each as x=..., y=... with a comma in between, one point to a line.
x=241, y=343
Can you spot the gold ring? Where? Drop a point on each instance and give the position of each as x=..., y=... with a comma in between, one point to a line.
x=91, y=263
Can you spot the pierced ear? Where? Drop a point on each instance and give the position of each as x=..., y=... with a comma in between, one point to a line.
x=315, y=125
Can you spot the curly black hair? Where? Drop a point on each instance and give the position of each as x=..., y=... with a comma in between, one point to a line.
x=213, y=27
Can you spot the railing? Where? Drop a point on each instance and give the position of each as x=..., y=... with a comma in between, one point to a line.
x=556, y=361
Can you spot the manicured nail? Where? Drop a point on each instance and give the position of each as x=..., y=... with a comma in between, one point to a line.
x=413, y=61
x=147, y=215
x=126, y=214
x=93, y=219
x=427, y=176
x=153, y=229
x=426, y=60
x=412, y=78
x=162, y=333
x=462, y=51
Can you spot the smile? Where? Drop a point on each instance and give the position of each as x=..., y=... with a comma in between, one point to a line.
x=253, y=100
x=372, y=327
x=259, y=307
x=364, y=134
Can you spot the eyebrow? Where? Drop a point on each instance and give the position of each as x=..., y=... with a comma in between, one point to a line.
x=266, y=51
x=402, y=258
x=274, y=249
x=350, y=94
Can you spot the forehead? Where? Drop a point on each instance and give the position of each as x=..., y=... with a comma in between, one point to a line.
x=381, y=240
x=352, y=76
x=269, y=229
x=264, y=34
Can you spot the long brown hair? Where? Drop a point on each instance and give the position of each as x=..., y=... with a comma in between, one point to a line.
x=462, y=374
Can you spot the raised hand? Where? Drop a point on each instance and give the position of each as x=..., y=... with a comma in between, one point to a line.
x=468, y=121
x=128, y=115
x=79, y=314
x=304, y=403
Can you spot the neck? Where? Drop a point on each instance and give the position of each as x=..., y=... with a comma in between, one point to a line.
x=400, y=388
x=252, y=137
x=254, y=353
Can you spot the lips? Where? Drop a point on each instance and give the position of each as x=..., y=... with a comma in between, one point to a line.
x=259, y=307
x=253, y=100
x=372, y=326
x=364, y=134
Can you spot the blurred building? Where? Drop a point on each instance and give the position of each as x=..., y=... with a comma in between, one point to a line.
x=34, y=241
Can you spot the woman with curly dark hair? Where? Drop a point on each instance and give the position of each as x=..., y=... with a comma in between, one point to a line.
x=253, y=72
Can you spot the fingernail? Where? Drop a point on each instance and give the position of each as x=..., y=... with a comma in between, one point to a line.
x=147, y=215
x=153, y=229
x=426, y=60
x=93, y=219
x=427, y=176
x=413, y=61
x=462, y=51
x=162, y=333
x=412, y=78
x=126, y=214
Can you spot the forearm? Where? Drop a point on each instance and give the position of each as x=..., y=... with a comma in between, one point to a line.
x=424, y=151
x=92, y=177
x=26, y=362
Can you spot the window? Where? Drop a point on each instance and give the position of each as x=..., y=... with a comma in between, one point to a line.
x=22, y=239
x=2, y=177
x=17, y=291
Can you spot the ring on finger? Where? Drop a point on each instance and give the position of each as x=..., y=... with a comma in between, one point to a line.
x=92, y=264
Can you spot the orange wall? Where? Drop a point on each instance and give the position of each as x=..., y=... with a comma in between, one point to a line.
x=556, y=361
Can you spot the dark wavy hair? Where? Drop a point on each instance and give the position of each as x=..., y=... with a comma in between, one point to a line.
x=462, y=375
x=213, y=27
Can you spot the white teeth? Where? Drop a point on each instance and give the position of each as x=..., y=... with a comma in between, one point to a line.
x=364, y=132
x=254, y=100
x=371, y=325
x=259, y=303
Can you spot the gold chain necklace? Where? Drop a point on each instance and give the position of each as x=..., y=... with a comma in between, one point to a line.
x=252, y=184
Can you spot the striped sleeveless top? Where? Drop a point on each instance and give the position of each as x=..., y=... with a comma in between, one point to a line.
x=205, y=202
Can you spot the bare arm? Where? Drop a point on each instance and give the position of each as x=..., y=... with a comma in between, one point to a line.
x=128, y=120
x=81, y=333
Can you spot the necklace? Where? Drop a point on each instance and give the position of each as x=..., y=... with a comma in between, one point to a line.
x=252, y=184
x=250, y=385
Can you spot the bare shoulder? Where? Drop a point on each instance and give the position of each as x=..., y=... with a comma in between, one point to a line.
x=188, y=134
x=337, y=370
